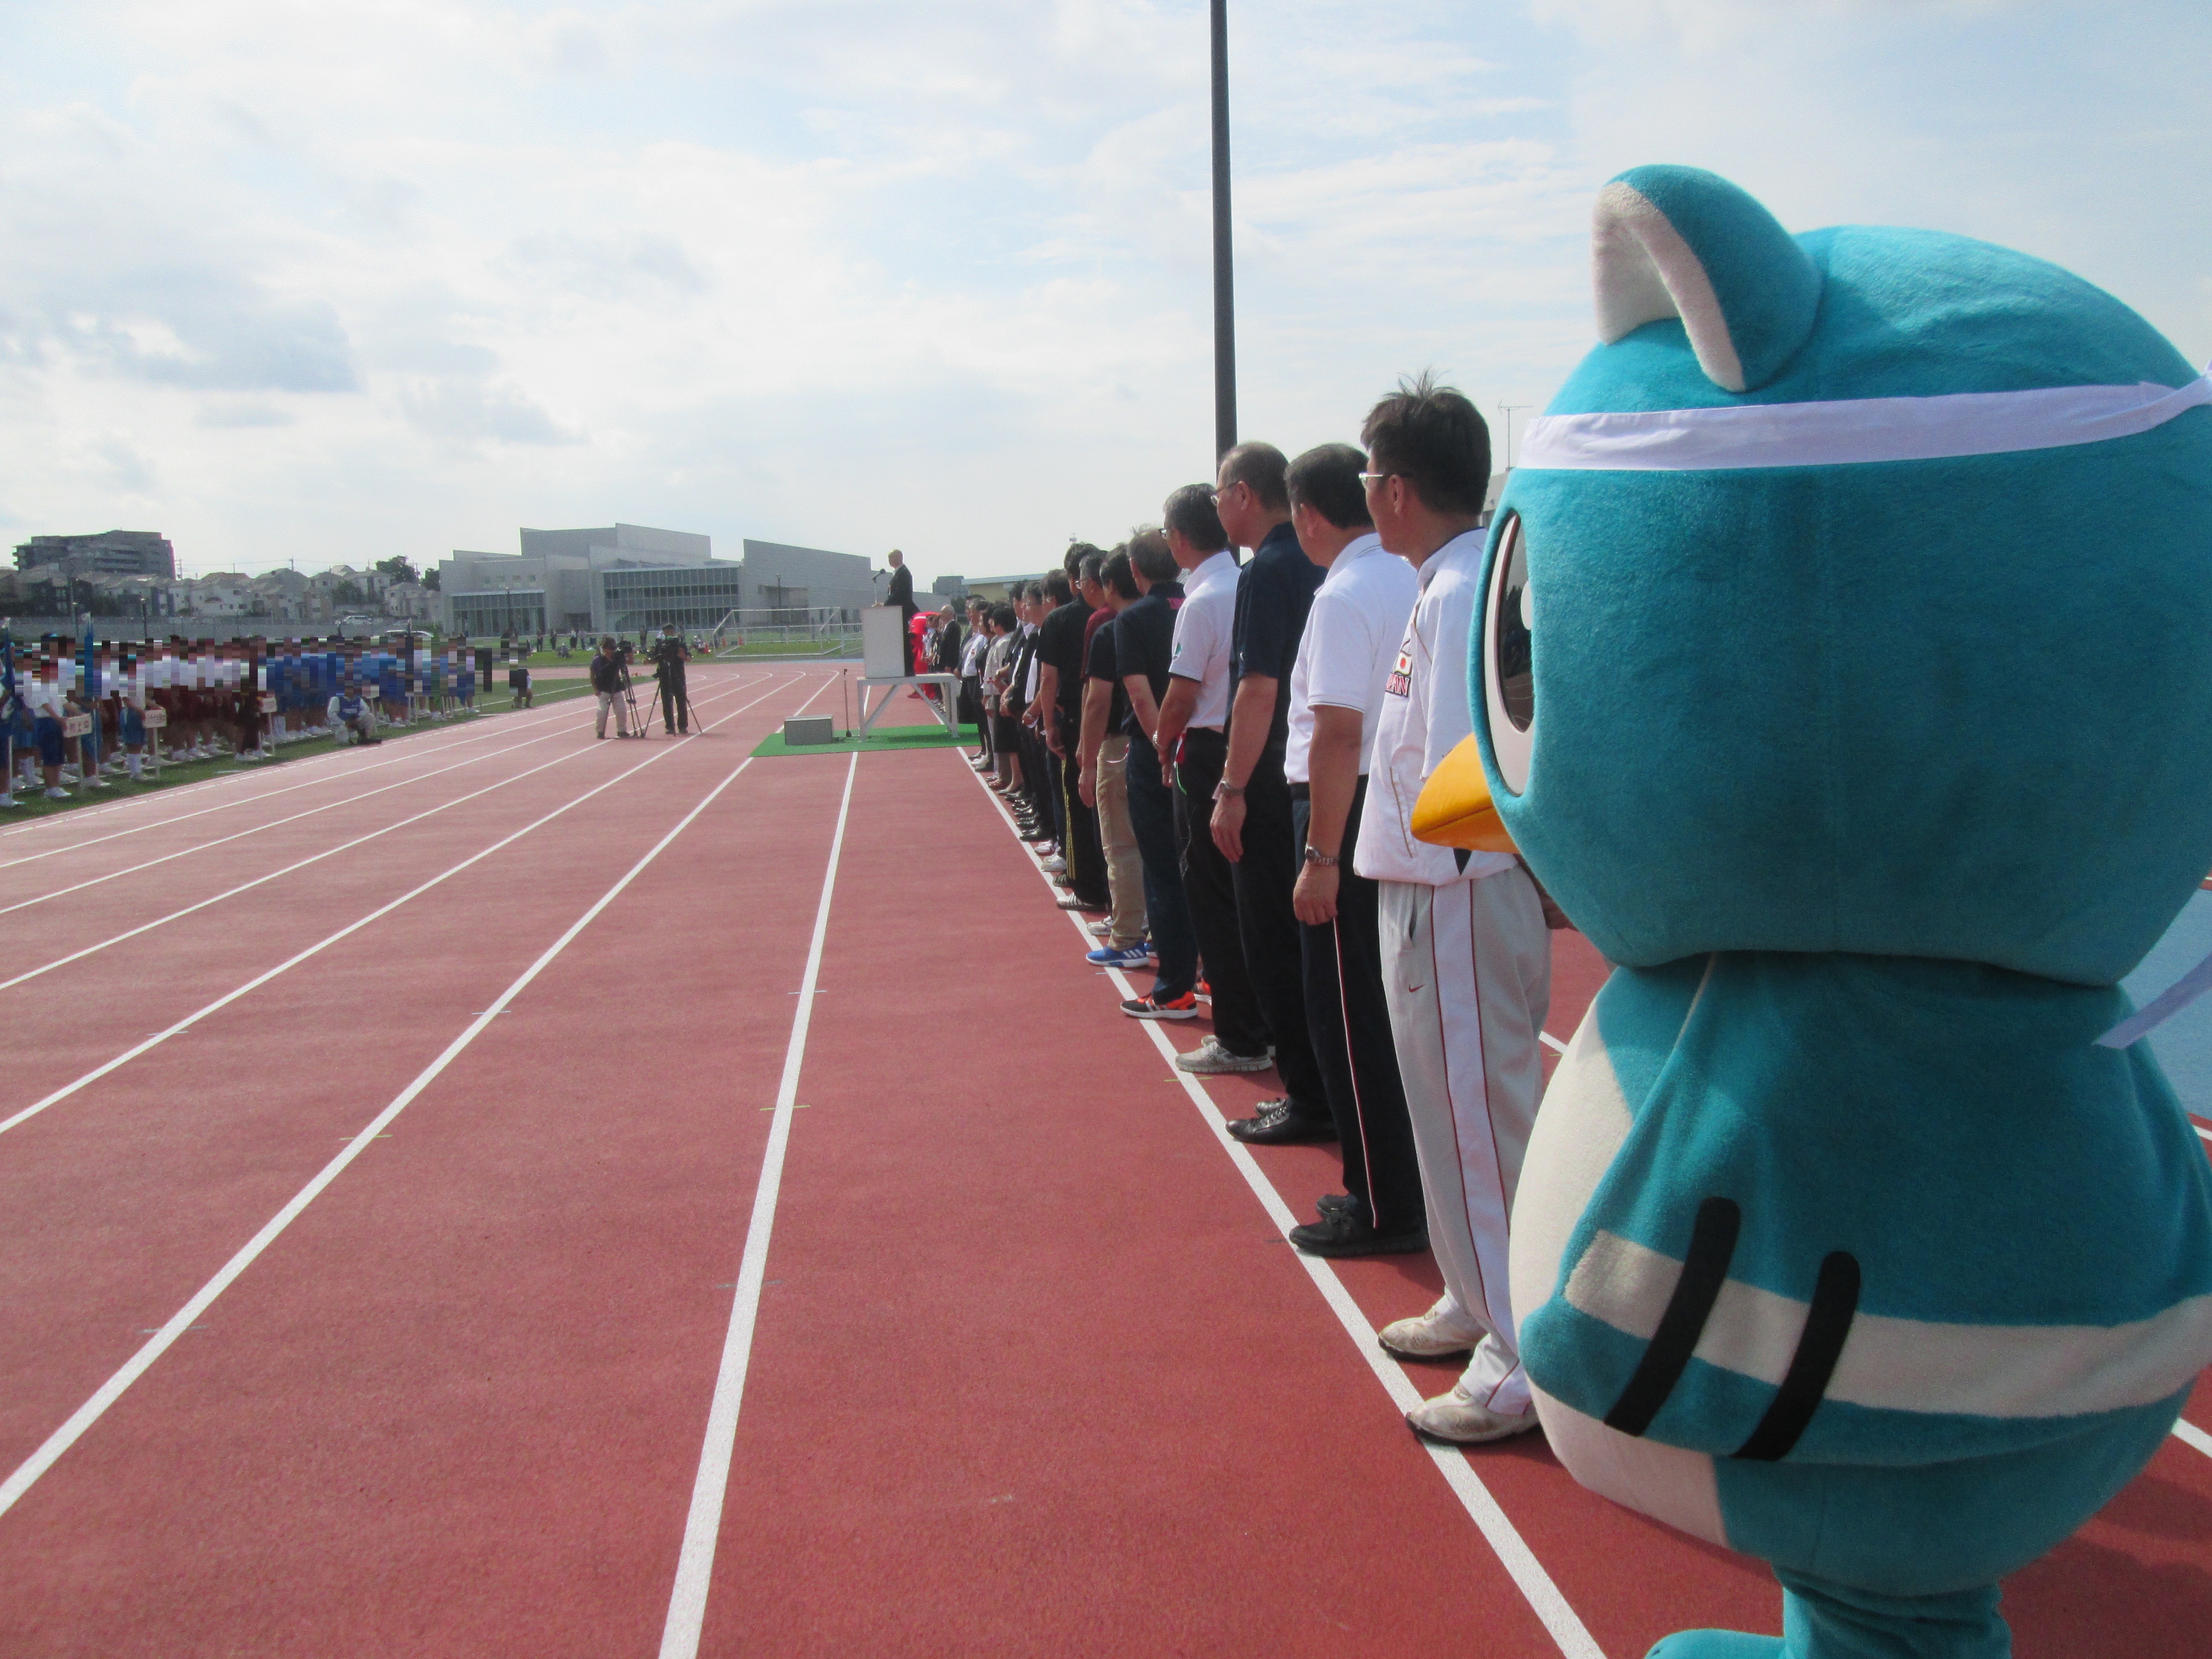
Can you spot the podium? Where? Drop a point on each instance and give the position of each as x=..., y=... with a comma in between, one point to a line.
x=884, y=662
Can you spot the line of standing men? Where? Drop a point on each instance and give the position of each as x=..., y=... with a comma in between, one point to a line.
x=1249, y=741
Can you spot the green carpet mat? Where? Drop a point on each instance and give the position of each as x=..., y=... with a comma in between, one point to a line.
x=932, y=736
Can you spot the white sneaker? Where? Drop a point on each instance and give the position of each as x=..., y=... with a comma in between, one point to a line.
x=6, y=799
x=1055, y=864
x=97, y=783
x=1432, y=1335
x=56, y=794
x=1457, y=1421
x=1101, y=929
x=1210, y=1057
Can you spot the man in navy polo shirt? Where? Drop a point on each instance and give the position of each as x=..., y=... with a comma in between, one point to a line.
x=1252, y=804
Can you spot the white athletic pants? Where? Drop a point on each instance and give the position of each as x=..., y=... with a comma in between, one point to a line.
x=1468, y=971
x=616, y=701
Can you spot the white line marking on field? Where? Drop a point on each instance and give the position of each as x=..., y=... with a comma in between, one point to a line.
x=1552, y=1042
x=317, y=857
x=2189, y=1434
x=85, y=1416
x=273, y=824
x=1544, y=1597
x=427, y=744
x=263, y=978
x=694, y=1563
x=482, y=734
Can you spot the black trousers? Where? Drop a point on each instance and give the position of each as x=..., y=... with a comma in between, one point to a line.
x=1263, y=879
x=1084, y=852
x=1210, y=890
x=675, y=706
x=1350, y=1019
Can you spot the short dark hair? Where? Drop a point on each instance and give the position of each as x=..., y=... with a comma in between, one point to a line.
x=1117, y=573
x=1190, y=513
x=1058, y=588
x=1072, y=560
x=1148, y=551
x=1093, y=562
x=1004, y=617
x=1327, y=480
x=1260, y=468
x=1436, y=440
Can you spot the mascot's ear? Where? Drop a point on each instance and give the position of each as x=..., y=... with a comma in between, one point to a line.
x=1682, y=242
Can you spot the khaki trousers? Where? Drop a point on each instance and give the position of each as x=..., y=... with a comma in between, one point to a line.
x=1125, y=870
x=620, y=704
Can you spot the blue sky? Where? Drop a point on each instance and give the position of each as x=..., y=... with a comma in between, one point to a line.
x=339, y=280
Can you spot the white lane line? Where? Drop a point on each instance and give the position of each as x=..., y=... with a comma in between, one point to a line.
x=1552, y=1042
x=426, y=743
x=1544, y=1597
x=2189, y=1434
x=483, y=734
x=26, y=1475
x=322, y=945
x=277, y=823
x=702, y=1526
x=274, y=824
x=247, y=886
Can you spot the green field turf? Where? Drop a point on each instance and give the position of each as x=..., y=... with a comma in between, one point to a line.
x=932, y=736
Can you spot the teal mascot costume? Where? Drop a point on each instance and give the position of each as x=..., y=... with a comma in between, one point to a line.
x=1846, y=676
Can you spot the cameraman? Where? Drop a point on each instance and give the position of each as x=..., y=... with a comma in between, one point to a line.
x=669, y=654
x=610, y=680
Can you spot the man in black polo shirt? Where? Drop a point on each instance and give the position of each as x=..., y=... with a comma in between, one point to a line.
x=1059, y=650
x=1252, y=804
x=1144, y=645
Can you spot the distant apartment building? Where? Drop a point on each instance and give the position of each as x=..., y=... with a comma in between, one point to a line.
x=111, y=553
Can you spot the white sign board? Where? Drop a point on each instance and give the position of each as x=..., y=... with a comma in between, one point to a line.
x=77, y=725
x=882, y=643
x=156, y=718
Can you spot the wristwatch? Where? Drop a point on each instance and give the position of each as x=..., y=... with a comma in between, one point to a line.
x=1226, y=789
x=1315, y=855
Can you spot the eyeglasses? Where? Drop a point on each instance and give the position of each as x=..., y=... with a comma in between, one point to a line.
x=1378, y=478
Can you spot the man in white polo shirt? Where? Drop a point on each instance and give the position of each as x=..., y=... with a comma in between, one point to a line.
x=1467, y=957
x=1351, y=639
x=1193, y=743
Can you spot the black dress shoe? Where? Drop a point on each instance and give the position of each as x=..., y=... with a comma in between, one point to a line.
x=1331, y=1204
x=1038, y=834
x=1340, y=1235
x=1278, y=1124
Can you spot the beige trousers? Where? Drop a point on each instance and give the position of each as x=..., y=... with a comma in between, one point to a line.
x=1125, y=870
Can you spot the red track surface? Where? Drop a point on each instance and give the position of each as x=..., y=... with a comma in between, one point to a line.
x=1033, y=1372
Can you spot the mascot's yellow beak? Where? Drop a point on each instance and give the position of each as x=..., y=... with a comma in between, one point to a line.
x=1455, y=810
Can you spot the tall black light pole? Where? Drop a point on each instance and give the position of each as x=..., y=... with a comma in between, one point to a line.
x=1224, y=304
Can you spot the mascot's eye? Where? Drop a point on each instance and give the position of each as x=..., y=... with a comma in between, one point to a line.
x=1509, y=675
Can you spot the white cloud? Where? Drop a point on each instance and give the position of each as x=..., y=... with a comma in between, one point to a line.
x=397, y=275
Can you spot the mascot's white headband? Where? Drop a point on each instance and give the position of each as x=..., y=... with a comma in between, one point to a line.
x=1853, y=430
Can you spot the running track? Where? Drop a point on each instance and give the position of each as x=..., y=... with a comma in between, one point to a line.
x=613, y=1198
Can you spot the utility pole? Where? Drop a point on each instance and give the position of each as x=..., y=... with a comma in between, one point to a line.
x=1507, y=410
x=1225, y=306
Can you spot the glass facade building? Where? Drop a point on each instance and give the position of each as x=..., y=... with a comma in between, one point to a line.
x=691, y=596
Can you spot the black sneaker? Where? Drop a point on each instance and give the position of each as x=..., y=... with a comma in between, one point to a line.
x=1339, y=1235
x=1277, y=1124
x=1150, y=1007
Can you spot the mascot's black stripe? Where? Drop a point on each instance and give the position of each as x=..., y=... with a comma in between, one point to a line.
x=1828, y=1322
x=1705, y=1269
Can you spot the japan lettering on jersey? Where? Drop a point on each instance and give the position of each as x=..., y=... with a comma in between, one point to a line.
x=1401, y=682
